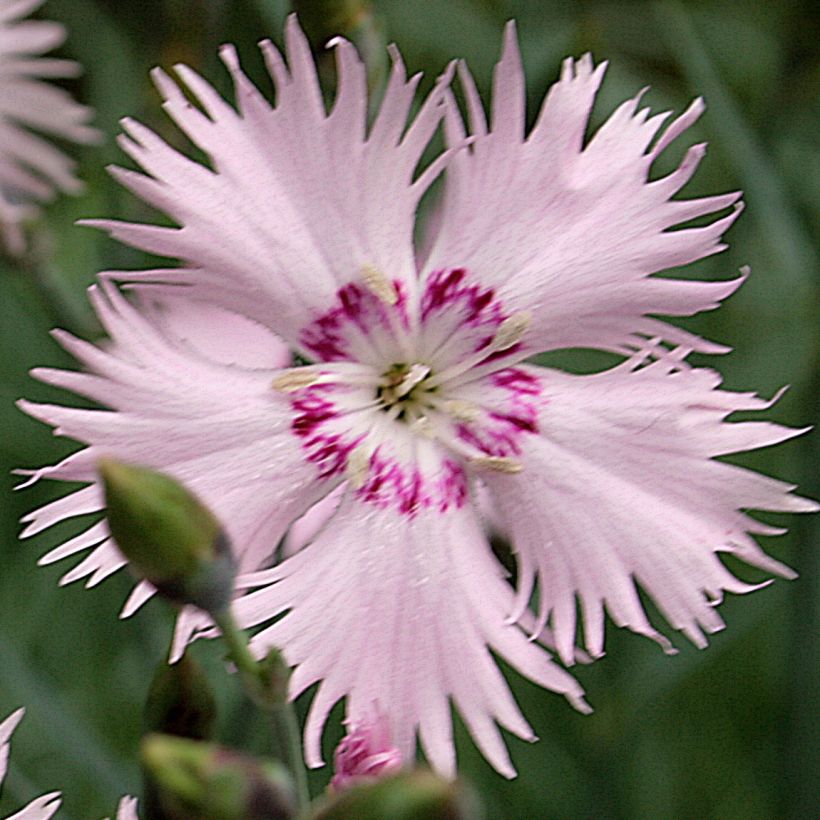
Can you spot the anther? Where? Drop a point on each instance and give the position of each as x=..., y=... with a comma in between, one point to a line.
x=511, y=330
x=497, y=464
x=423, y=426
x=462, y=410
x=379, y=284
x=417, y=373
x=292, y=380
x=358, y=466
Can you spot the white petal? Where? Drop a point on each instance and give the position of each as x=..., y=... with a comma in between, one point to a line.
x=401, y=611
x=298, y=201
x=573, y=232
x=43, y=807
x=7, y=728
x=202, y=410
x=620, y=488
x=40, y=809
x=127, y=809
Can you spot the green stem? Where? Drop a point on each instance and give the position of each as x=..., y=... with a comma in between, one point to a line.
x=241, y=656
x=287, y=747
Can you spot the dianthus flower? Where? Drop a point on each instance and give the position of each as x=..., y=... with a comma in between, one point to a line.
x=43, y=807
x=30, y=167
x=412, y=396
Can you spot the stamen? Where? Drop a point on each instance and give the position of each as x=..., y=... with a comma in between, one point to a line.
x=511, y=330
x=497, y=464
x=421, y=424
x=296, y=379
x=461, y=410
x=417, y=373
x=507, y=335
x=379, y=284
x=358, y=466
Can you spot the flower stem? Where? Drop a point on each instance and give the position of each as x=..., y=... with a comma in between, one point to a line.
x=258, y=681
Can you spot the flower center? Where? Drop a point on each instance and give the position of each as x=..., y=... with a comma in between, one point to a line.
x=404, y=392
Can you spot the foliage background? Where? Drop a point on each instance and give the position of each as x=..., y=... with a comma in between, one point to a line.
x=723, y=733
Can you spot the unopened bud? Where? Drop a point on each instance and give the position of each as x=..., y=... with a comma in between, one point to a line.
x=180, y=701
x=211, y=782
x=418, y=795
x=168, y=535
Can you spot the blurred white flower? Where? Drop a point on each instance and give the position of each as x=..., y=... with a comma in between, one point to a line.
x=31, y=167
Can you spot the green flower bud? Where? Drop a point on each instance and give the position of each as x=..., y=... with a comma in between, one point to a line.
x=169, y=537
x=210, y=782
x=180, y=701
x=416, y=795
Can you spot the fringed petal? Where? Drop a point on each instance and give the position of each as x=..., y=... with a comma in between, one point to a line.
x=414, y=603
x=573, y=232
x=620, y=490
x=297, y=201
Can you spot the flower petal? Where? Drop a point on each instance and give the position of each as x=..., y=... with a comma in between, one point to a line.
x=573, y=232
x=7, y=728
x=414, y=602
x=299, y=201
x=31, y=168
x=127, y=809
x=40, y=809
x=203, y=410
x=43, y=807
x=620, y=488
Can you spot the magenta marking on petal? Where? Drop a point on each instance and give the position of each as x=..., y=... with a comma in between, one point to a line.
x=358, y=312
x=391, y=483
x=453, y=486
x=446, y=290
x=502, y=429
x=518, y=381
x=329, y=450
x=529, y=425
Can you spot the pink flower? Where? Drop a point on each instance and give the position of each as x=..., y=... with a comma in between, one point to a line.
x=43, y=807
x=365, y=754
x=419, y=400
x=30, y=167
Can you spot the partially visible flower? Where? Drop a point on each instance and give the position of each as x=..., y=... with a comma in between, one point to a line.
x=418, y=406
x=127, y=809
x=365, y=753
x=31, y=168
x=43, y=807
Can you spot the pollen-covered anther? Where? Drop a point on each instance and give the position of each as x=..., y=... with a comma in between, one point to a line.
x=358, y=467
x=297, y=379
x=497, y=464
x=379, y=284
x=415, y=375
x=462, y=410
x=423, y=426
x=511, y=330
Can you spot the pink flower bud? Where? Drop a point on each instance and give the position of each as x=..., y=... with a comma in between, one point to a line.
x=364, y=754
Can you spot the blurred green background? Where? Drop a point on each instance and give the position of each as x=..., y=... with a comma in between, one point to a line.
x=721, y=733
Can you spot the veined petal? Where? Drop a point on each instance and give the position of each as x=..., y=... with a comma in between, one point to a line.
x=200, y=408
x=574, y=232
x=620, y=489
x=415, y=602
x=298, y=202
